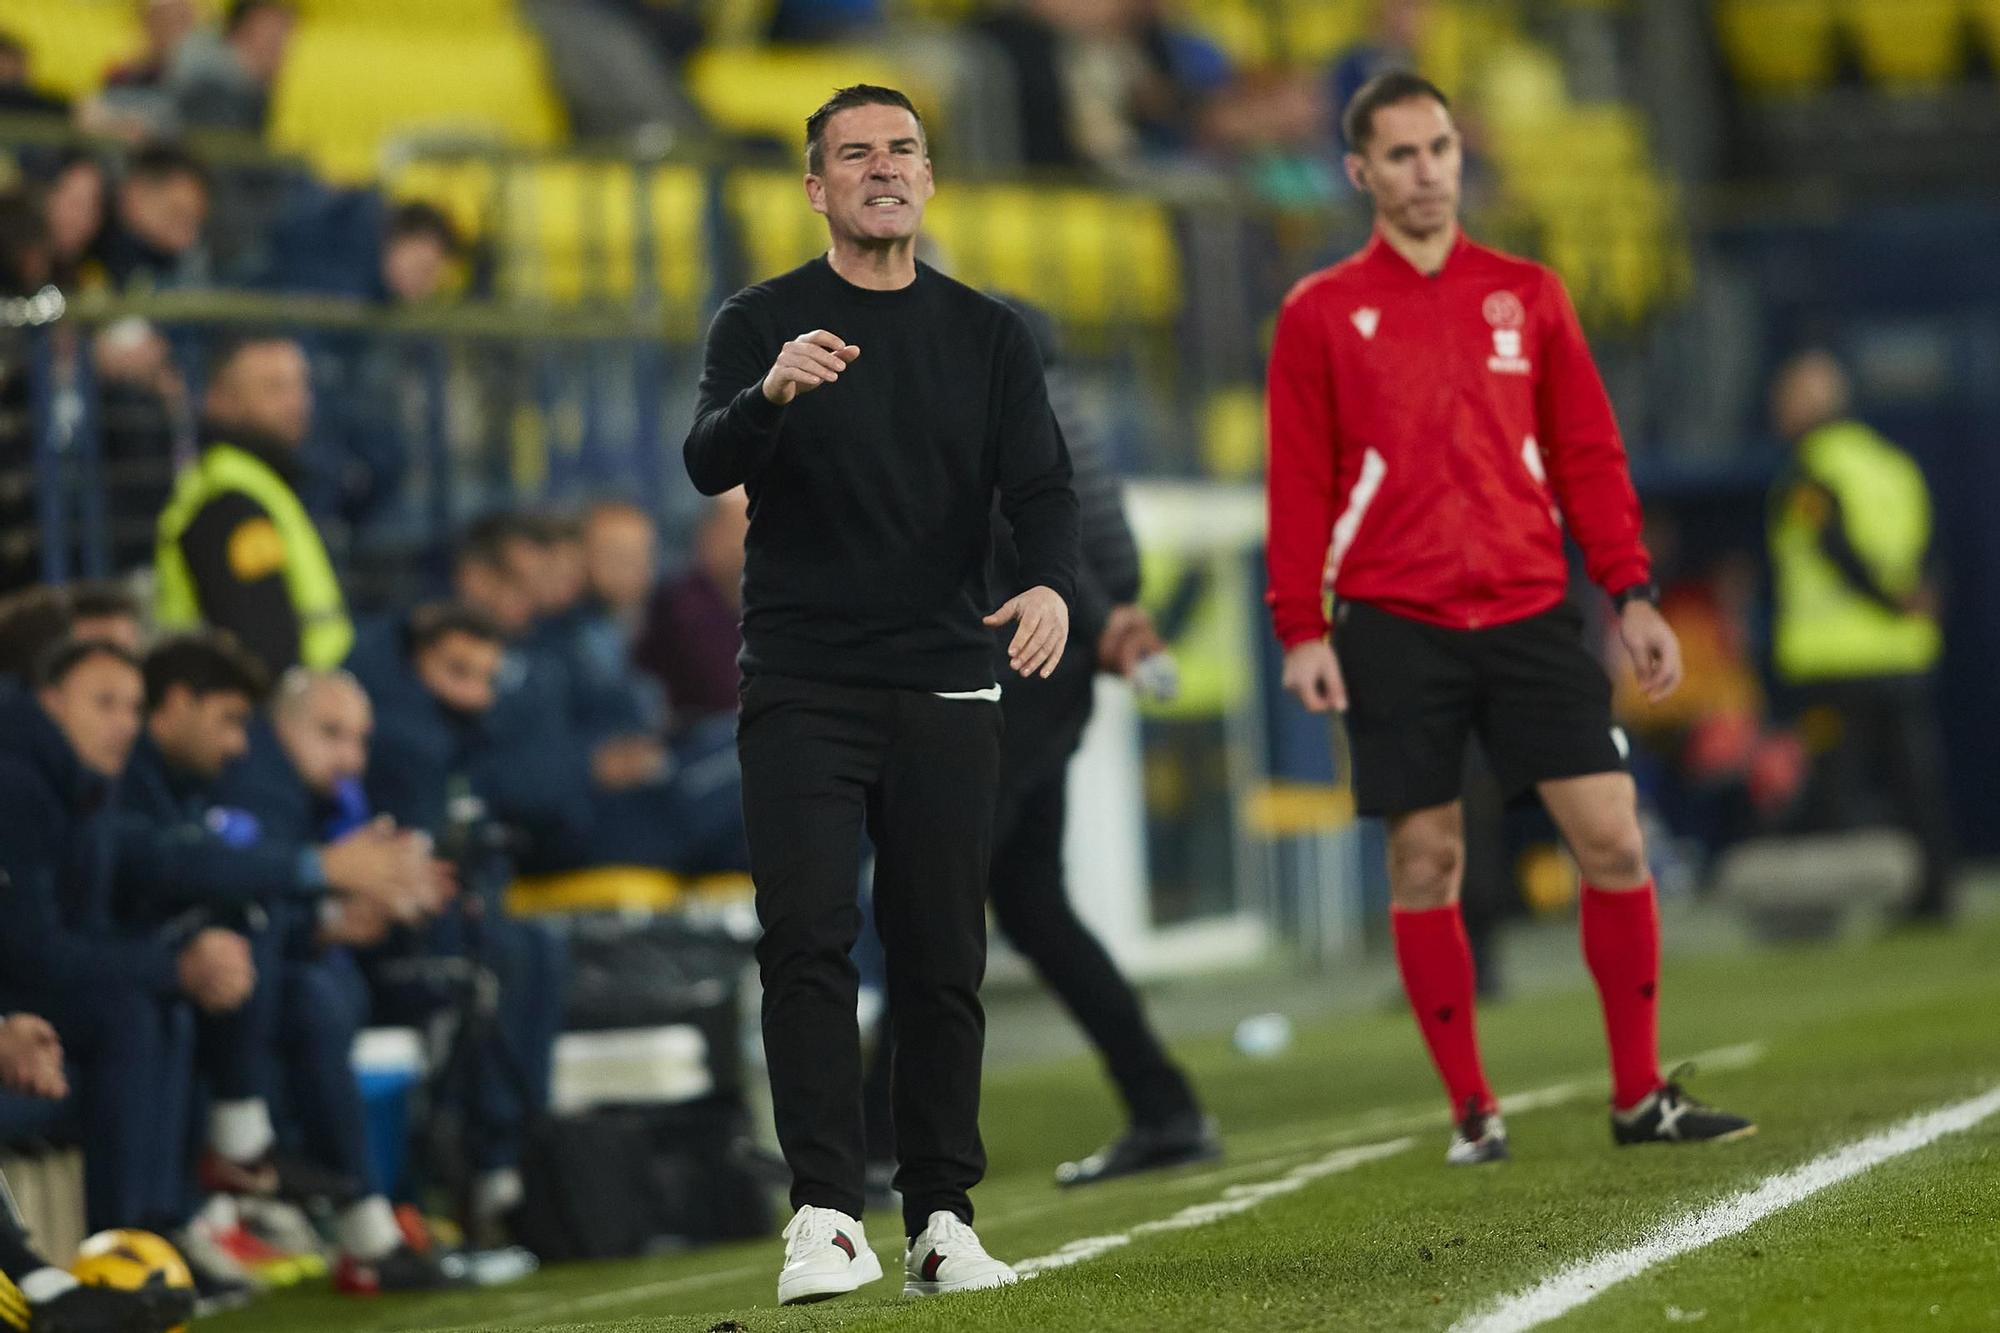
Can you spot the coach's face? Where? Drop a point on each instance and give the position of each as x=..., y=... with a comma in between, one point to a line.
x=874, y=176
x=1411, y=167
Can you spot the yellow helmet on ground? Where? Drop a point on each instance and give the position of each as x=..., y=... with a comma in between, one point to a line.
x=128, y=1260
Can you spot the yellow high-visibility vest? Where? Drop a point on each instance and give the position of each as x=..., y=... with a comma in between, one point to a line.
x=325, y=631
x=1826, y=629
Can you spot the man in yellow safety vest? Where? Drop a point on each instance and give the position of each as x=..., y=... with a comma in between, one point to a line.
x=237, y=549
x=1856, y=630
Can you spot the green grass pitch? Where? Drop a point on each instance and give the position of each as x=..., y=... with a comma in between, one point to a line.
x=1849, y=1039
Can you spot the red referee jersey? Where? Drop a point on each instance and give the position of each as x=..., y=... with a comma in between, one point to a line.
x=1429, y=439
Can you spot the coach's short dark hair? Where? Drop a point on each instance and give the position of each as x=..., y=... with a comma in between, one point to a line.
x=1389, y=88
x=55, y=666
x=205, y=663
x=432, y=624
x=860, y=94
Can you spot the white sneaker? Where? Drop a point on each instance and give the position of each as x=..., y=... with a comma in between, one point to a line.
x=949, y=1257
x=826, y=1254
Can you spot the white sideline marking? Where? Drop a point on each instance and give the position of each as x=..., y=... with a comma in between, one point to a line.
x=1236, y=1199
x=1581, y=1283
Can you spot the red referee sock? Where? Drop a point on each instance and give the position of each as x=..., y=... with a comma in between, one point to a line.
x=1621, y=945
x=1436, y=962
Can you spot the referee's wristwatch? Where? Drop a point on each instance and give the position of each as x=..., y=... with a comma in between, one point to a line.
x=1648, y=593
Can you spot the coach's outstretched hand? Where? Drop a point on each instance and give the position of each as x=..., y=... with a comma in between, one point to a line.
x=1312, y=673
x=805, y=363
x=1044, y=629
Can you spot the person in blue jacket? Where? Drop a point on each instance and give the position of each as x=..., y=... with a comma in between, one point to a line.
x=115, y=995
x=613, y=794
x=444, y=762
x=300, y=893
x=299, y=785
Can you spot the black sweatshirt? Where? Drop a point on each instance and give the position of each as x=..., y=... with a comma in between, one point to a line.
x=871, y=498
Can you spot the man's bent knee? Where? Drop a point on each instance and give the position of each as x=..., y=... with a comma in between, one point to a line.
x=1425, y=869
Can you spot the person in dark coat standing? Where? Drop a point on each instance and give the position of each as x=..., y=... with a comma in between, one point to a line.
x=873, y=408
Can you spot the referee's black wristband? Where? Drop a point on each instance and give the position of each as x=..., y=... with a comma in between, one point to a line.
x=1648, y=593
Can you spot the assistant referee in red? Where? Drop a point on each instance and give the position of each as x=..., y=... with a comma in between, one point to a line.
x=1436, y=423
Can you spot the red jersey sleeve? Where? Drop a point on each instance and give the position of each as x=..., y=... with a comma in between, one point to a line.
x=1300, y=472
x=1586, y=458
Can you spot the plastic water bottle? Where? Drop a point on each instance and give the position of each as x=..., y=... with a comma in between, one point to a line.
x=1264, y=1036
x=1156, y=678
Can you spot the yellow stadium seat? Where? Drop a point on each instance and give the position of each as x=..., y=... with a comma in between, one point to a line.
x=1778, y=47
x=461, y=15
x=1317, y=31
x=1089, y=257
x=347, y=91
x=464, y=188
x=1232, y=433
x=1242, y=28
x=72, y=42
x=1907, y=45
x=601, y=889
x=769, y=91
x=777, y=230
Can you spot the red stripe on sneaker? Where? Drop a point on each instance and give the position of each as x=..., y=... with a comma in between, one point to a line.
x=841, y=1242
x=930, y=1268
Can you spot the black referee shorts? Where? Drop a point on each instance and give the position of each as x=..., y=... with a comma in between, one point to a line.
x=1539, y=702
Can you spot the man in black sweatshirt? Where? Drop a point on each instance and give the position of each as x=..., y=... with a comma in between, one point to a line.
x=872, y=408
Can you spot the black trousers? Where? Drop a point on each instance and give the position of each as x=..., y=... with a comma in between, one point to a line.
x=1030, y=897
x=820, y=763
x=1889, y=760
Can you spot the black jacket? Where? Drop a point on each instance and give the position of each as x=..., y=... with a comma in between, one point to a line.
x=56, y=846
x=177, y=847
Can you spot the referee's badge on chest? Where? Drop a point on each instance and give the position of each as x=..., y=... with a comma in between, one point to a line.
x=1504, y=312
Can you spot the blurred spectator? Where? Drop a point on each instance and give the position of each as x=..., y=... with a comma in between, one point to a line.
x=34, y=620
x=18, y=95
x=160, y=206
x=615, y=75
x=675, y=28
x=222, y=80
x=556, y=570
x=448, y=762
x=824, y=20
x=73, y=204
x=301, y=784
x=101, y=611
x=27, y=252
x=1394, y=41
x=167, y=24
x=237, y=550
x=26, y=262
x=1856, y=631
x=619, y=557
x=611, y=793
x=111, y=995
x=693, y=628
x=375, y=389
x=419, y=244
